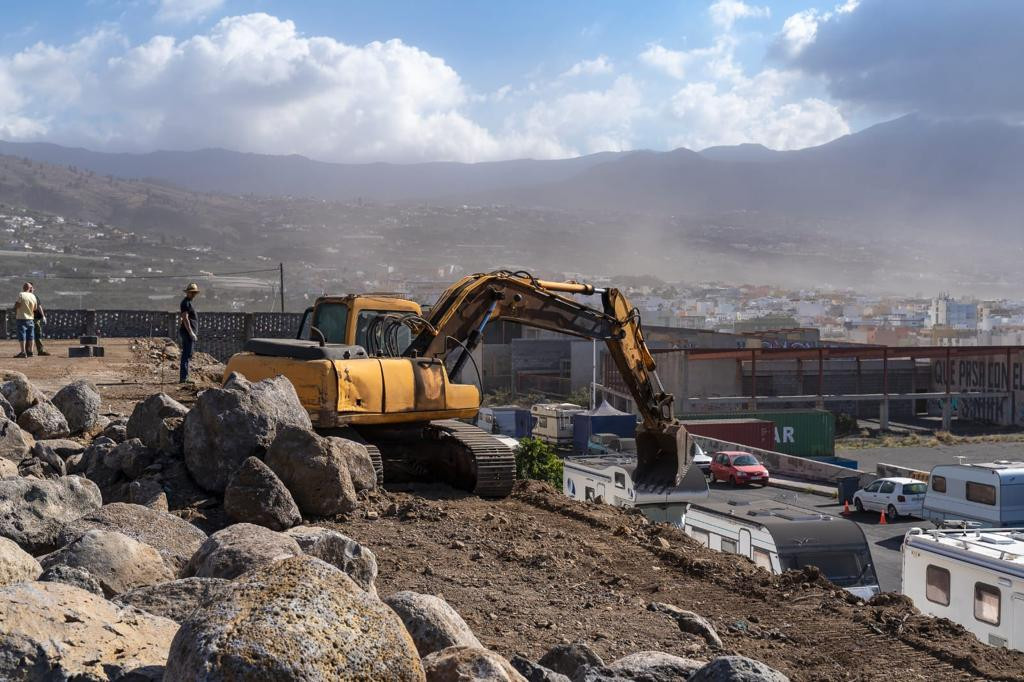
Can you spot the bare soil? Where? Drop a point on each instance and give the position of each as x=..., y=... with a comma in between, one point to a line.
x=537, y=569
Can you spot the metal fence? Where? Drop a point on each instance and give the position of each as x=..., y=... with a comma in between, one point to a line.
x=220, y=334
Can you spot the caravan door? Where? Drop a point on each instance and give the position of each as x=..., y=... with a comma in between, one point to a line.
x=744, y=548
x=1017, y=622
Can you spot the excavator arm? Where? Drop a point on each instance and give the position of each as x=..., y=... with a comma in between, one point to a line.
x=463, y=311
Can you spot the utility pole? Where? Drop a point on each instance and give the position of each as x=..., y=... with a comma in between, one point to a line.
x=281, y=269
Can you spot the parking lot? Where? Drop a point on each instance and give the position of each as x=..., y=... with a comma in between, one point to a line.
x=884, y=540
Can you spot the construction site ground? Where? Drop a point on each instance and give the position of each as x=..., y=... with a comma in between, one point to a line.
x=537, y=568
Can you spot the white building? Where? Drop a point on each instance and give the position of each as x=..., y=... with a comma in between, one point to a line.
x=947, y=312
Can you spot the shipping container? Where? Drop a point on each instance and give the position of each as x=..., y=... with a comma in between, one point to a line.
x=508, y=420
x=754, y=433
x=602, y=419
x=804, y=433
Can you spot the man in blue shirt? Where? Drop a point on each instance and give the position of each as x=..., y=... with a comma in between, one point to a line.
x=188, y=329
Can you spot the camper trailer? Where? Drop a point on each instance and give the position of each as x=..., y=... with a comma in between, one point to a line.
x=987, y=495
x=779, y=537
x=552, y=423
x=972, y=577
x=609, y=479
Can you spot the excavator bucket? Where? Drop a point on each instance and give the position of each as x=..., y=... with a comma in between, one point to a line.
x=661, y=467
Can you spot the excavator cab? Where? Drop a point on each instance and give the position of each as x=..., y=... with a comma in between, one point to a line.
x=351, y=321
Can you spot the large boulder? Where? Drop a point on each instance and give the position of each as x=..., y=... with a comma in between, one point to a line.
x=96, y=464
x=63, y=447
x=14, y=442
x=33, y=512
x=147, y=418
x=314, y=469
x=534, y=672
x=340, y=551
x=8, y=469
x=568, y=658
x=174, y=538
x=431, y=622
x=230, y=552
x=357, y=461
x=116, y=430
x=19, y=391
x=256, y=495
x=131, y=457
x=16, y=565
x=44, y=420
x=43, y=461
x=737, y=669
x=690, y=622
x=79, y=402
x=72, y=575
x=463, y=663
x=176, y=599
x=53, y=631
x=148, y=492
x=6, y=409
x=170, y=436
x=297, y=619
x=229, y=424
x=117, y=561
x=655, y=666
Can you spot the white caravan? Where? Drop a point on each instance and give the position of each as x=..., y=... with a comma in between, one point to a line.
x=972, y=577
x=609, y=479
x=780, y=537
x=990, y=495
x=552, y=422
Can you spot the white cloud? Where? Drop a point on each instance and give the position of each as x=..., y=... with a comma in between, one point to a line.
x=184, y=11
x=590, y=67
x=724, y=13
x=671, y=62
x=799, y=30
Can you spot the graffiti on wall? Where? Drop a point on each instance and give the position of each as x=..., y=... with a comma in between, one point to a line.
x=984, y=374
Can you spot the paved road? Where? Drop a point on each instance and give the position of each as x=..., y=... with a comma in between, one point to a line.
x=924, y=458
x=884, y=540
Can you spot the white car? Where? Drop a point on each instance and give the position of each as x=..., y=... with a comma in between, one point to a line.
x=894, y=496
x=702, y=461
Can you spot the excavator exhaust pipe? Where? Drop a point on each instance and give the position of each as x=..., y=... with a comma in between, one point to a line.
x=661, y=465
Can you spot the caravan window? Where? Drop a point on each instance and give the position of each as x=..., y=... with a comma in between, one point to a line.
x=620, y=480
x=762, y=559
x=986, y=603
x=939, y=484
x=542, y=422
x=981, y=493
x=729, y=546
x=937, y=585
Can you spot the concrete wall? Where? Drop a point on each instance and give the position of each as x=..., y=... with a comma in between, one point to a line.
x=780, y=464
x=984, y=373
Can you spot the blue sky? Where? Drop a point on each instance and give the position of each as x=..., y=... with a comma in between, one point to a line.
x=445, y=80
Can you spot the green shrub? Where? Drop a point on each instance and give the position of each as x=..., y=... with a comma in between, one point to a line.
x=538, y=461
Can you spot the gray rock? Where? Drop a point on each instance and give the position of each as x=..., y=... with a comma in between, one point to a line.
x=72, y=575
x=229, y=424
x=357, y=461
x=44, y=462
x=600, y=673
x=53, y=631
x=737, y=669
x=33, y=512
x=118, y=562
x=297, y=619
x=690, y=622
x=655, y=666
x=131, y=457
x=8, y=469
x=463, y=663
x=431, y=622
x=176, y=599
x=148, y=492
x=230, y=552
x=117, y=431
x=171, y=436
x=63, y=447
x=19, y=391
x=16, y=565
x=534, y=672
x=146, y=422
x=340, y=551
x=14, y=443
x=256, y=495
x=79, y=402
x=314, y=469
x=567, y=658
x=43, y=420
x=6, y=409
x=174, y=538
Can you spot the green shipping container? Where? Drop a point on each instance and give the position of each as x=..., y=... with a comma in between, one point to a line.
x=805, y=433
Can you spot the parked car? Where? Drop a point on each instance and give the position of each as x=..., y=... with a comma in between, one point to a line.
x=738, y=468
x=702, y=461
x=894, y=496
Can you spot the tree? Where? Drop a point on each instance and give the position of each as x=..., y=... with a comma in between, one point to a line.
x=536, y=460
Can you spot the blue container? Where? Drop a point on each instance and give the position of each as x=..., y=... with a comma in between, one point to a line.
x=507, y=420
x=602, y=419
x=838, y=461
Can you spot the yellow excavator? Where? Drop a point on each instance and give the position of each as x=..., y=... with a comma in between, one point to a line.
x=374, y=369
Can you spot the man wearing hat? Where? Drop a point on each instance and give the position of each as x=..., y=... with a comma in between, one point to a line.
x=189, y=329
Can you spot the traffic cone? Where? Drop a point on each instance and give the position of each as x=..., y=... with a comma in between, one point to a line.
x=846, y=507
x=882, y=520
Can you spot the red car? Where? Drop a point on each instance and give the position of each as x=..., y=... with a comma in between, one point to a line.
x=738, y=468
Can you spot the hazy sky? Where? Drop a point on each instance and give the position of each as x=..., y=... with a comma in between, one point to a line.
x=474, y=80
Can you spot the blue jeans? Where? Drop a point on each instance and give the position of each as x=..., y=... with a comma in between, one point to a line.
x=26, y=330
x=187, y=345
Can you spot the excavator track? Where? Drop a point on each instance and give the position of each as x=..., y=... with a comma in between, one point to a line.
x=488, y=462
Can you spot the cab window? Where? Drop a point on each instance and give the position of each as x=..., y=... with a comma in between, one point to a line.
x=331, y=319
x=403, y=339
